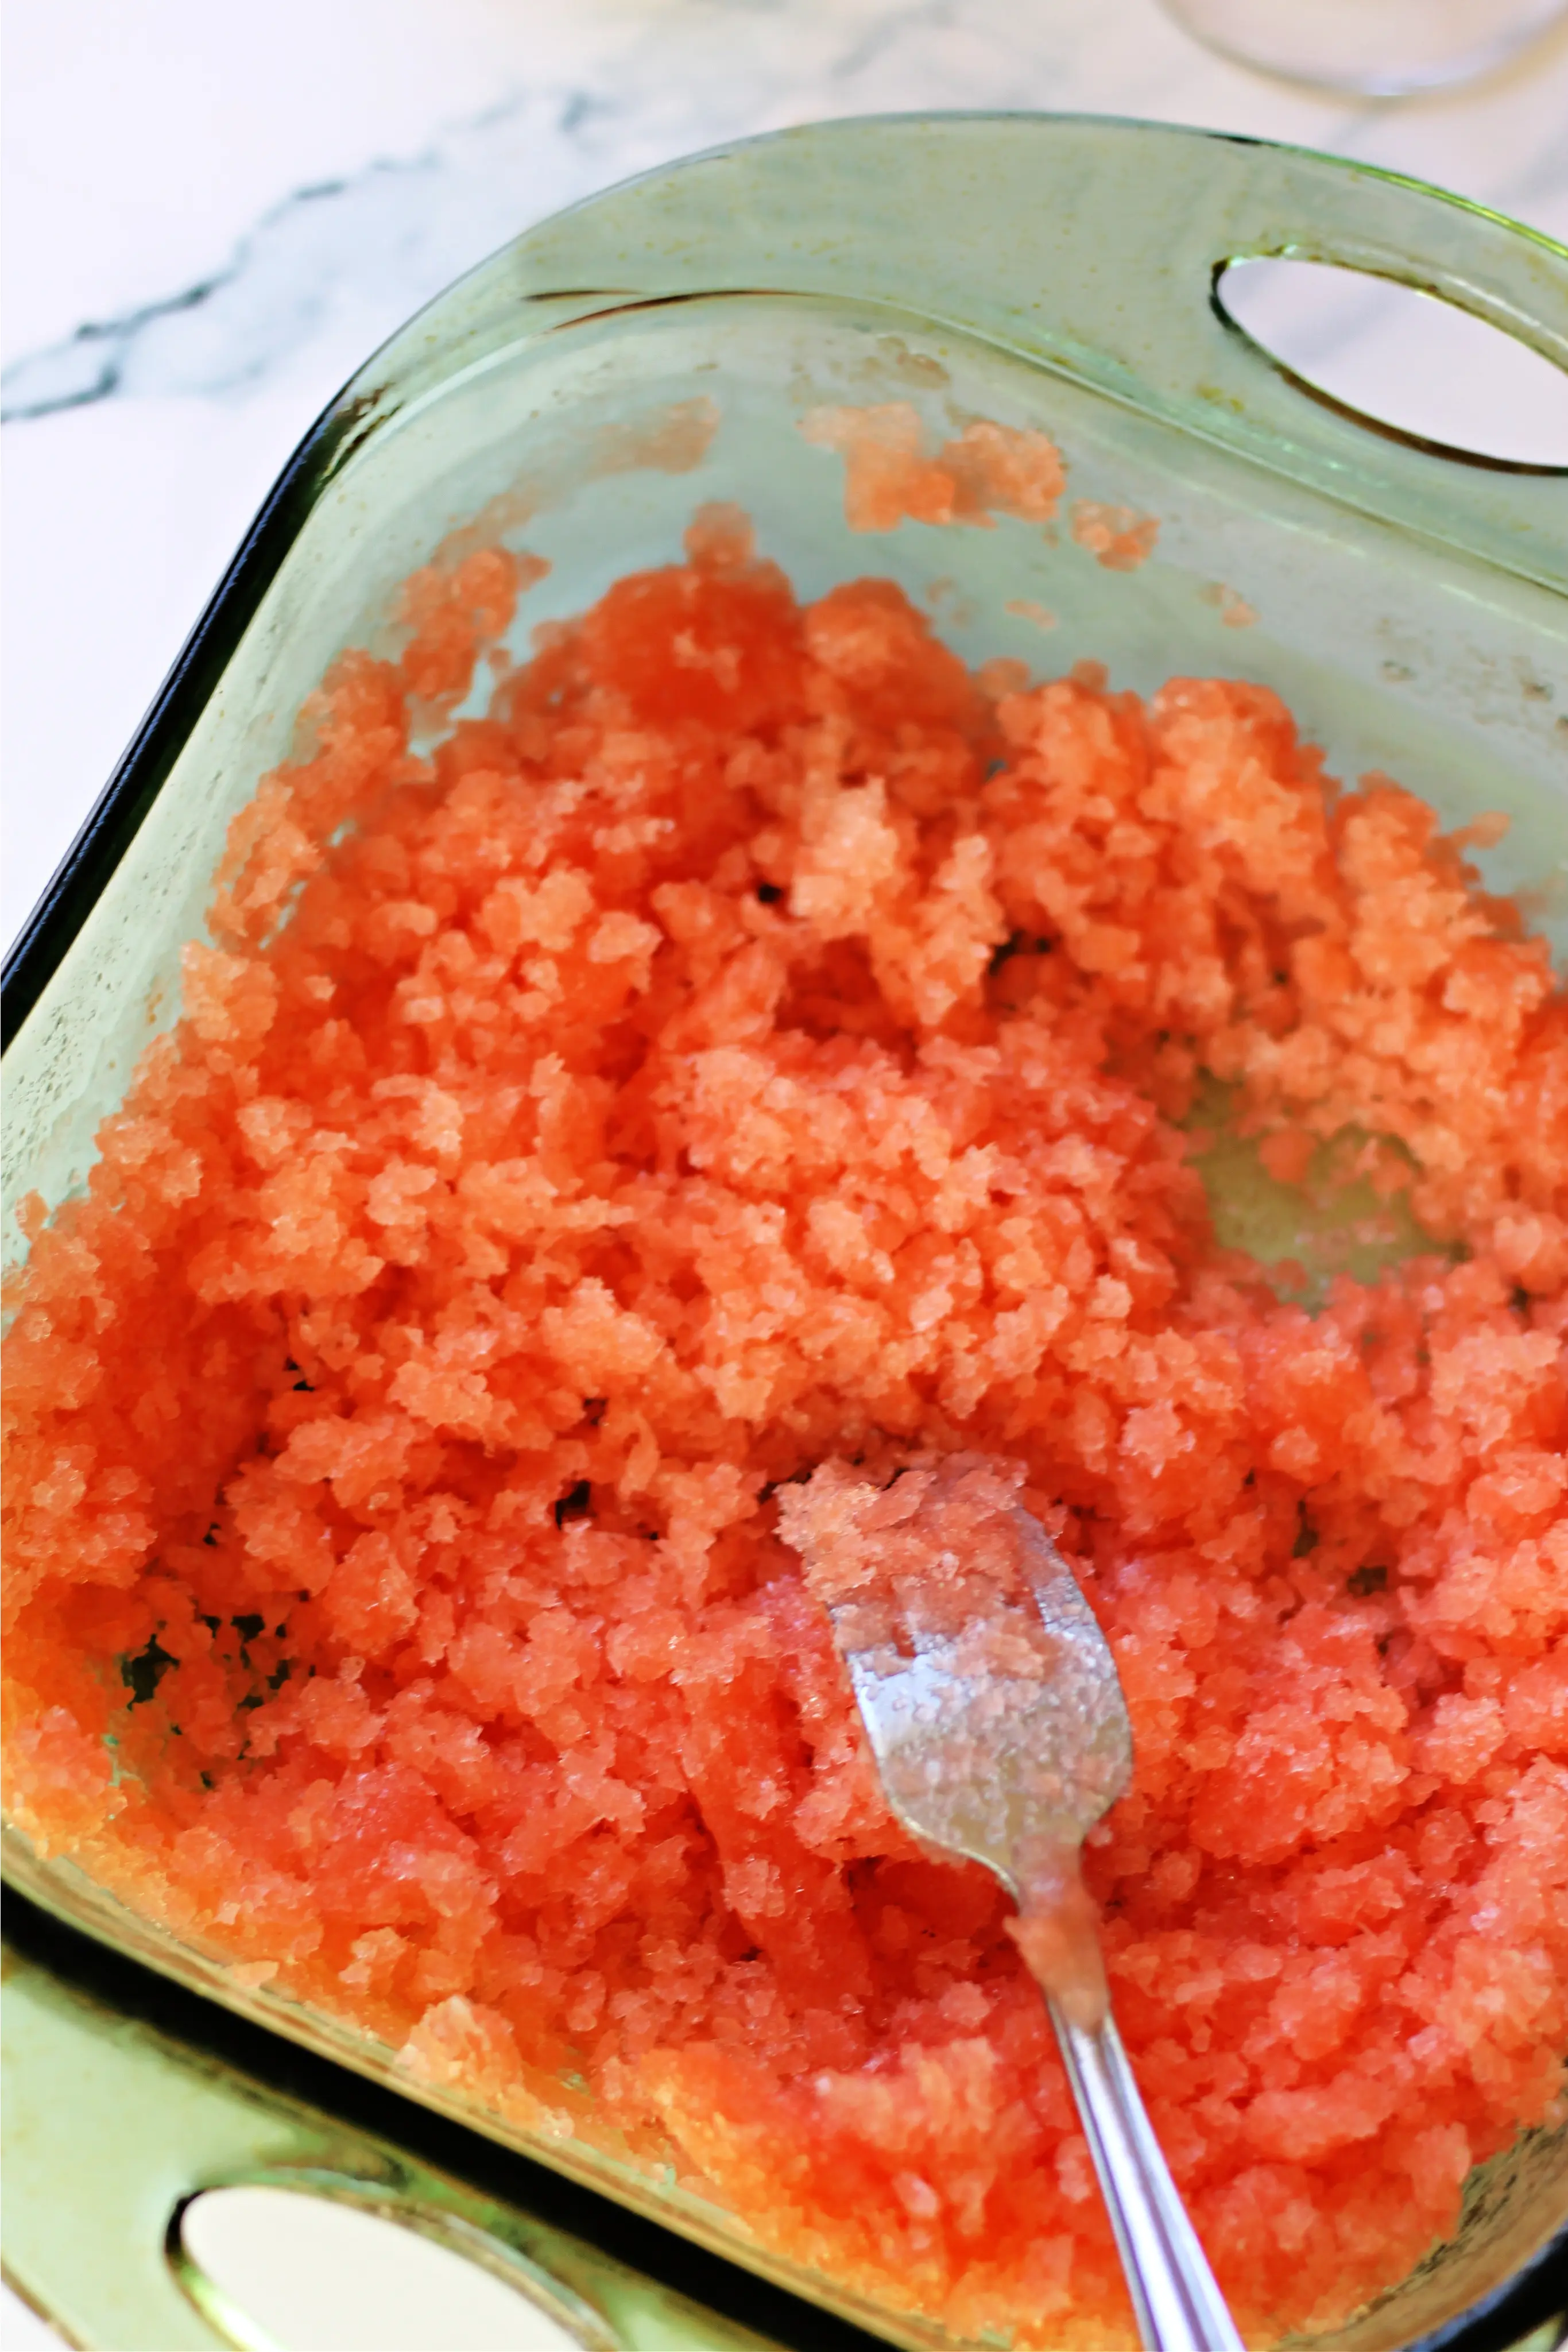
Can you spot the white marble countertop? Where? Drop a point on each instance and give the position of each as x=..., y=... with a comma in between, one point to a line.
x=213, y=215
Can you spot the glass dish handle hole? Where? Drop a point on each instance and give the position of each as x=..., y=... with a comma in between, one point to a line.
x=1405, y=362
x=318, y=2266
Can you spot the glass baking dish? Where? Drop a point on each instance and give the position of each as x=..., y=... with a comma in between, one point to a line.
x=657, y=348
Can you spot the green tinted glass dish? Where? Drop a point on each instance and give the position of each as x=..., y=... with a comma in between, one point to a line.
x=658, y=347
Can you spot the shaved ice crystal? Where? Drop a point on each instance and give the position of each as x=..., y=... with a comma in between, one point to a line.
x=757, y=1041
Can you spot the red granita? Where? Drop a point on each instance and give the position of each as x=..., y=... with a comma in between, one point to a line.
x=758, y=1040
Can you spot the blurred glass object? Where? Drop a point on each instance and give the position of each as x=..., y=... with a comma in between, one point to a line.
x=1375, y=48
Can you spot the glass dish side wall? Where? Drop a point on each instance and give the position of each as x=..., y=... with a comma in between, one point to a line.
x=599, y=437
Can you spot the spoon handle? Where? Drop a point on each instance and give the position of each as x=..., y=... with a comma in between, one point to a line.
x=1177, y=2303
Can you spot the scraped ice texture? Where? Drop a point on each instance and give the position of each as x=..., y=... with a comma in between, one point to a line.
x=932, y=1554
x=1118, y=538
x=930, y=1584
x=752, y=1043
x=983, y=471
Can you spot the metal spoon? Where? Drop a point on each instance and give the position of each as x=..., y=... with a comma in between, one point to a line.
x=996, y=1715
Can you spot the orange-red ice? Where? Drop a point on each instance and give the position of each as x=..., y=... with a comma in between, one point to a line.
x=934, y=1565
x=933, y=1554
x=760, y=1040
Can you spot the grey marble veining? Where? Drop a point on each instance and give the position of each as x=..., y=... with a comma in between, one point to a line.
x=374, y=244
